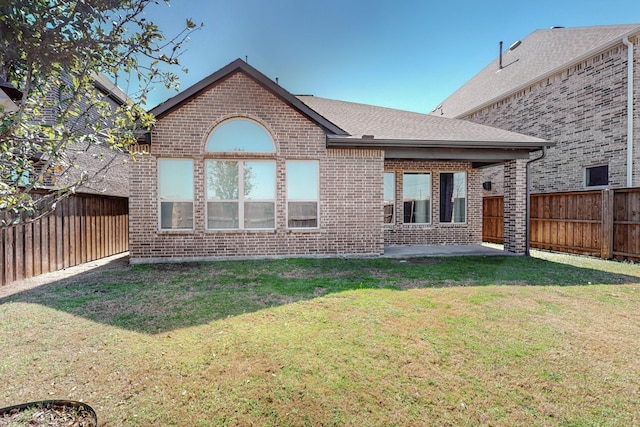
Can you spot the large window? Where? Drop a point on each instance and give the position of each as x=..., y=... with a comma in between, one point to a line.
x=241, y=194
x=241, y=200
x=597, y=176
x=302, y=194
x=416, y=197
x=175, y=178
x=453, y=197
x=389, y=197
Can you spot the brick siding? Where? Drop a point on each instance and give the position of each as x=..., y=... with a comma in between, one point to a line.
x=435, y=233
x=351, y=187
x=515, y=206
x=583, y=110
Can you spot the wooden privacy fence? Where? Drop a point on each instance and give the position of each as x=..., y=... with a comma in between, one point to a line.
x=493, y=219
x=82, y=228
x=604, y=223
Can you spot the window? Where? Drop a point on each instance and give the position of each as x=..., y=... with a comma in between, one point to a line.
x=416, y=197
x=240, y=135
x=175, y=178
x=302, y=194
x=241, y=201
x=453, y=197
x=597, y=176
x=389, y=197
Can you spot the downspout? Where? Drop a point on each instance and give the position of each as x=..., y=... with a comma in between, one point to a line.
x=528, y=208
x=629, y=45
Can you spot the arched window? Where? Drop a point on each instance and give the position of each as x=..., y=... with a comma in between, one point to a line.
x=240, y=135
x=241, y=193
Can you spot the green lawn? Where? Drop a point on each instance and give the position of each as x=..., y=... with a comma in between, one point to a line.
x=496, y=341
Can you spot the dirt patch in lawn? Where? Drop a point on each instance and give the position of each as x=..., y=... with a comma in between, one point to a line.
x=419, y=261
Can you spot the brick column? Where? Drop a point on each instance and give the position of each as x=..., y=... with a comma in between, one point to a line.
x=515, y=206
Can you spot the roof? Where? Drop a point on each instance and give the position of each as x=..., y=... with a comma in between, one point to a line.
x=372, y=123
x=104, y=83
x=538, y=56
x=240, y=65
x=401, y=134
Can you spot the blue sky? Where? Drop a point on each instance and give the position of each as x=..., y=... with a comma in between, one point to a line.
x=406, y=54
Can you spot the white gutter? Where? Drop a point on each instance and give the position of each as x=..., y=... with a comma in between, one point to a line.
x=629, y=45
x=527, y=227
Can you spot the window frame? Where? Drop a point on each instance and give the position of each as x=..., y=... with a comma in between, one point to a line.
x=160, y=201
x=222, y=124
x=586, y=176
x=309, y=200
x=430, y=199
x=392, y=200
x=466, y=192
x=241, y=195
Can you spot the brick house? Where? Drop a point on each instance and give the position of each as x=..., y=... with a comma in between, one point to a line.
x=577, y=87
x=239, y=167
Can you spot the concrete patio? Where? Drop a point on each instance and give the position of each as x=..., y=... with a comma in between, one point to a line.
x=412, y=251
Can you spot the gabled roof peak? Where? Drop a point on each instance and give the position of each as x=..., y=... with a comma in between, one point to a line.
x=240, y=65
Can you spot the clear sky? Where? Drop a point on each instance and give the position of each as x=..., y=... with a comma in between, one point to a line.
x=406, y=54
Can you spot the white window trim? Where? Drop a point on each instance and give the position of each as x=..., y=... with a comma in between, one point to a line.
x=595, y=187
x=466, y=197
x=241, y=199
x=317, y=201
x=161, y=200
x=414, y=224
x=248, y=153
x=394, y=214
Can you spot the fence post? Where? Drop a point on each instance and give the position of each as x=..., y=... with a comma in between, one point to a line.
x=607, y=225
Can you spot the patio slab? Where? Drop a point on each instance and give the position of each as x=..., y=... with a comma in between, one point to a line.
x=410, y=251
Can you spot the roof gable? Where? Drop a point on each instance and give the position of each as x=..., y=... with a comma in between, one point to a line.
x=241, y=66
x=538, y=56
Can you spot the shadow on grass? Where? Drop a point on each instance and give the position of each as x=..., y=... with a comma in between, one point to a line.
x=156, y=298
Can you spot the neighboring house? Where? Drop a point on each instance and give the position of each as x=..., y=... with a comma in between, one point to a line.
x=577, y=87
x=239, y=167
x=107, y=168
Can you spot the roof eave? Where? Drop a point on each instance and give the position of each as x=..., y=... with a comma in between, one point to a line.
x=336, y=141
x=104, y=84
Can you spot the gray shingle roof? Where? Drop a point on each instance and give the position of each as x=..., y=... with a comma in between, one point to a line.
x=541, y=54
x=390, y=124
x=345, y=123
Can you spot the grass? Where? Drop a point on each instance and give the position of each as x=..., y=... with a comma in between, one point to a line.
x=504, y=341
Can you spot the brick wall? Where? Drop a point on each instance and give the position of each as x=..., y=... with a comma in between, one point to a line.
x=583, y=110
x=435, y=233
x=515, y=206
x=351, y=183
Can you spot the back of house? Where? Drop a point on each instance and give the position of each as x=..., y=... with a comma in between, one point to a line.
x=237, y=167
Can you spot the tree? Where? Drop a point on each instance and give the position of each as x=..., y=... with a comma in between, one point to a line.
x=57, y=53
x=222, y=180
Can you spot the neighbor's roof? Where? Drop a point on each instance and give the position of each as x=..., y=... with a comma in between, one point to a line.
x=411, y=129
x=104, y=83
x=538, y=56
